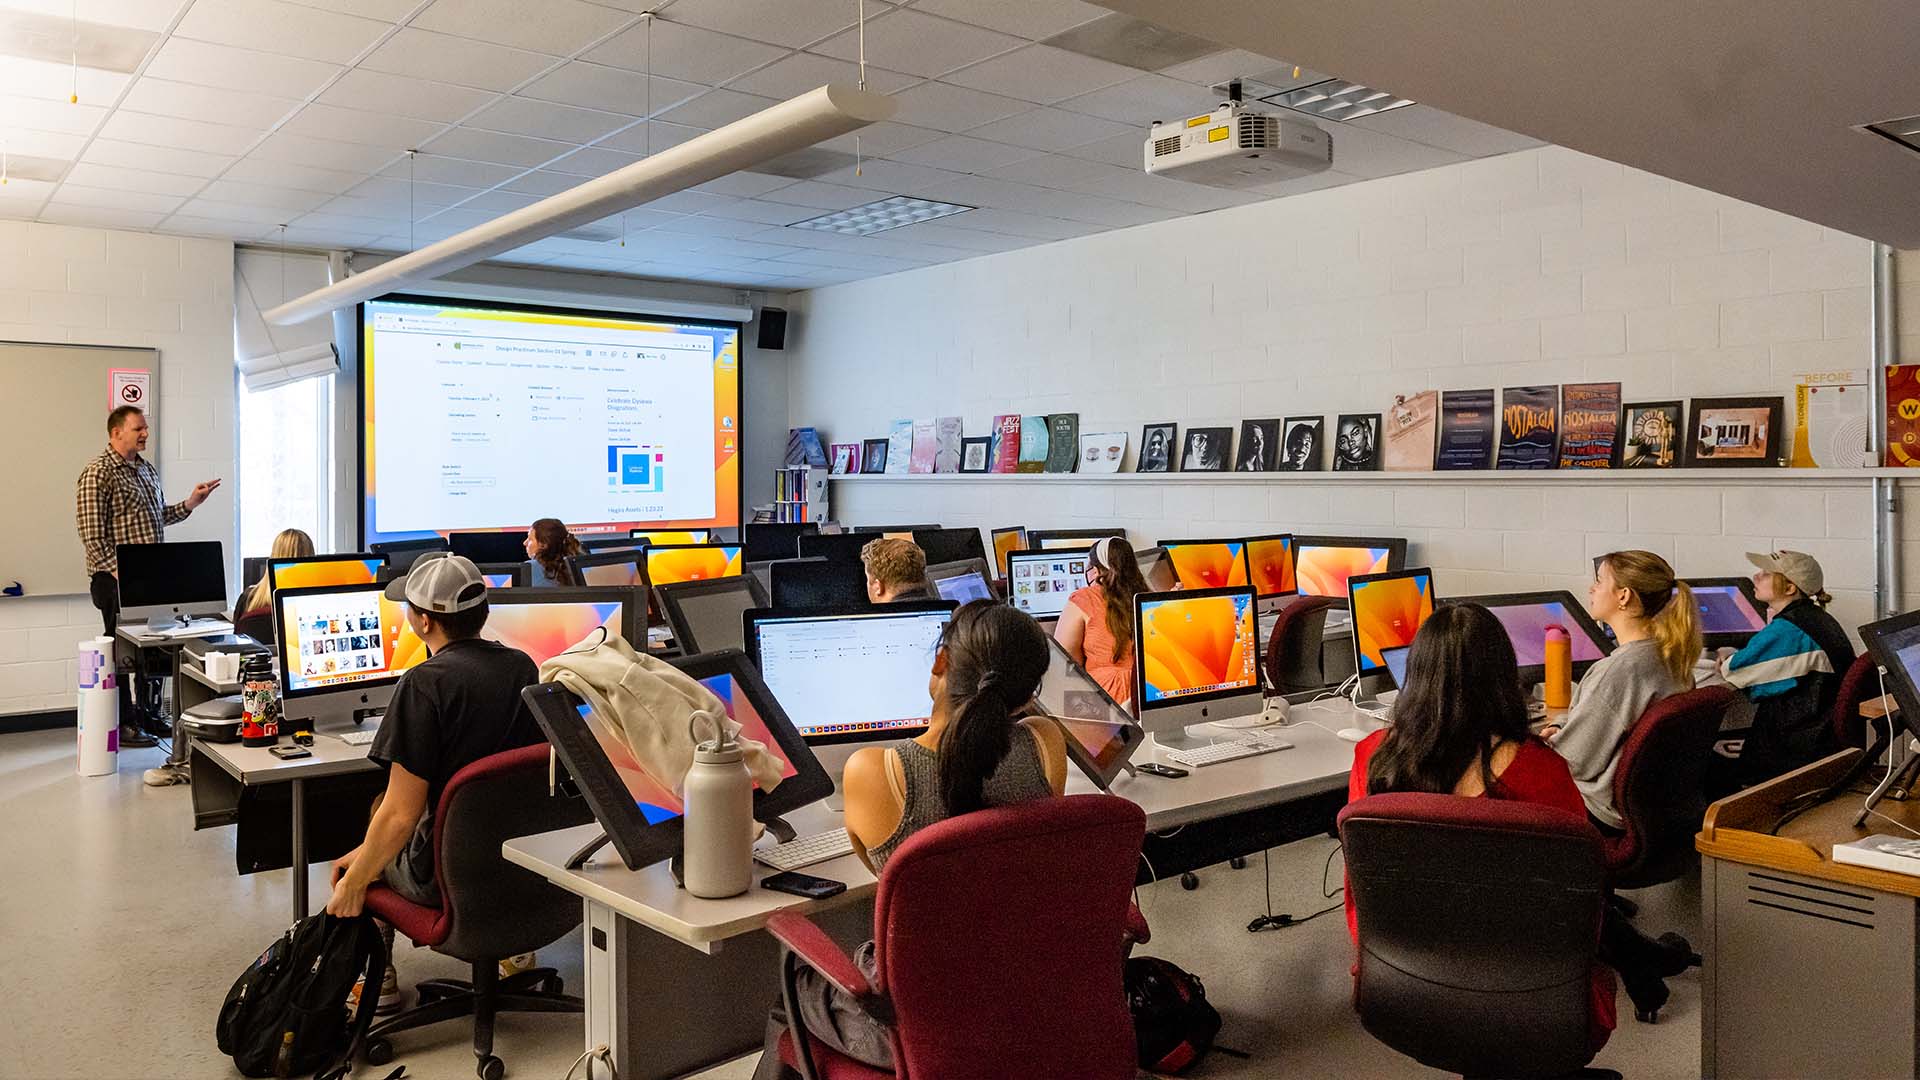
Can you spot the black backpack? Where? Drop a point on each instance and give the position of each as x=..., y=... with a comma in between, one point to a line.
x=1173, y=1026
x=287, y=1014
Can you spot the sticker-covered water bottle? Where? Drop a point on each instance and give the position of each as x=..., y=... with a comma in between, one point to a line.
x=259, y=702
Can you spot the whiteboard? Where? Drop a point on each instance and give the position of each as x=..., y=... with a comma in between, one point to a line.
x=55, y=400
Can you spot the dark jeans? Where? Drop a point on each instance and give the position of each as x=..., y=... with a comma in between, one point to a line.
x=106, y=597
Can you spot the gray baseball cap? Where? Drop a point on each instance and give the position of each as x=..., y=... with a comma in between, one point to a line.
x=1796, y=566
x=440, y=583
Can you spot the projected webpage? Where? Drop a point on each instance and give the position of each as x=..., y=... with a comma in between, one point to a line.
x=480, y=418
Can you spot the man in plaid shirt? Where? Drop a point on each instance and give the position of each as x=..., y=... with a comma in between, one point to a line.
x=119, y=502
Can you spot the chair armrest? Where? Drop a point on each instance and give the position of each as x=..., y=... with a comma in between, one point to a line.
x=810, y=943
x=1138, y=932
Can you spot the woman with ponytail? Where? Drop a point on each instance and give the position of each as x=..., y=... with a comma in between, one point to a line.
x=976, y=753
x=1096, y=628
x=548, y=544
x=1791, y=669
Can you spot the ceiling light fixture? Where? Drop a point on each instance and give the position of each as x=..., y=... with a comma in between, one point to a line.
x=815, y=116
x=877, y=217
x=1338, y=99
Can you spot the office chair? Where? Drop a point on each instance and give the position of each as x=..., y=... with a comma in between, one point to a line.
x=1293, y=648
x=1859, y=685
x=1659, y=787
x=1479, y=929
x=490, y=908
x=1034, y=988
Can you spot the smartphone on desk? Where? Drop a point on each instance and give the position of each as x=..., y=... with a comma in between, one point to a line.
x=798, y=884
x=289, y=753
x=1154, y=768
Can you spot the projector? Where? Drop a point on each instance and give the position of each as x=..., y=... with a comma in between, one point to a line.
x=1233, y=147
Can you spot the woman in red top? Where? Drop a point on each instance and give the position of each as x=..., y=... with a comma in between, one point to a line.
x=1096, y=627
x=1460, y=728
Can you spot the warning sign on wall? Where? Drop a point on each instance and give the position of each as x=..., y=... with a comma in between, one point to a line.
x=129, y=386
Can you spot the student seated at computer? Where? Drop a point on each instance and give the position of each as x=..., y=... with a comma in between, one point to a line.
x=459, y=705
x=1791, y=669
x=256, y=607
x=549, y=544
x=1096, y=627
x=976, y=753
x=896, y=570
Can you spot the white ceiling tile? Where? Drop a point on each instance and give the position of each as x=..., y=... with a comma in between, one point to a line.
x=385, y=10
x=801, y=72
x=236, y=212
x=273, y=26
x=115, y=199
x=597, y=86
x=691, y=202
x=432, y=168
x=592, y=161
x=1016, y=223
x=100, y=217
x=403, y=95
x=255, y=170
x=1426, y=124
x=1049, y=129
x=91, y=174
x=321, y=153
x=361, y=126
x=715, y=230
x=1030, y=19
x=744, y=185
x=129, y=155
x=164, y=97
x=1134, y=185
x=820, y=196
x=680, y=51
x=1041, y=73
x=556, y=27
x=330, y=236
x=946, y=107
x=958, y=153
x=205, y=64
x=153, y=15
x=792, y=23
x=935, y=233
x=542, y=183
x=444, y=58
x=893, y=177
x=879, y=140
x=646, y=139
x=190, y=225
x=1224, y=66
x=288, y=201
x=906, y=40
x=396, y=191
x=1055, y=171
x=1369, y=154
x=545, y=119
x=48, y=144
x=717, y=108
x=45, y=114
x=1127, y=151
x=55, y=82
x=1144, y=100
x=174, y=131
x=499, y=202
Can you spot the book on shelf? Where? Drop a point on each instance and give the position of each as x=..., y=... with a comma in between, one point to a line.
x=924, y=446
x=1466, y=430
x=1412, y=426
x=1899, y=854
x=1004, y=453
x=1529, y=427
x=1063, y=442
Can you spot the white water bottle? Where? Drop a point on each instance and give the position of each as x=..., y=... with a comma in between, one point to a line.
x=717, y=839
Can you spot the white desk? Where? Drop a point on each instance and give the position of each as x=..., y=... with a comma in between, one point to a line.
x=676, y=984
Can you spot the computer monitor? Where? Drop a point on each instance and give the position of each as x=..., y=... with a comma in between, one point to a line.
x=1388, y=610
x=950, y=545
x=1196, y=660
x=610, y=569
x=505, y=575
x=1039, y=582
x=641, y=814
x=402, y=553
x=705, y=615
x=1730, y=612
x=693, y=562
x=341, y=648
x=1270, y=565
x=1207, y=564
x=1526, y=617
x=850, y=676
x=905, y=532
x=1101, y=733
x=1157, y=569
x=962, y=580
x=1068, y=539
x=672, y=536
x=1396, y=660
x=490, y=546
x=599, y=544
x=817, y=583
x=252, y=569
x=842, y=547
x=543, y=623
x=768, y=541
x=1322, y=564
x=1009, y=539
x=168, y=584
x=352, y=568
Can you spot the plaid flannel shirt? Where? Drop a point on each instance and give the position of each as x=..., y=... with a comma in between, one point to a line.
x=120, y=502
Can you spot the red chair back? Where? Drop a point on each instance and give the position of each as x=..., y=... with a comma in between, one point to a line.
x=1659, y=786
x=1479, y=922
x=995, y=939
x=1293, y=649
x=1860, y=684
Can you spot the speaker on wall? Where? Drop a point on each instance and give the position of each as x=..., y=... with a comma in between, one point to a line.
x=773, y=328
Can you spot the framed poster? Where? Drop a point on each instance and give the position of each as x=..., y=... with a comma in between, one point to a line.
x=846, y=459
x=874, y=456
x=1529, y=427
x=1101, y=451
x=1734, y=433
x=1466, y=430
x=1207, y=449
x=974, y=454
x=1589, y=425
x=1356, y=442
x=1650, y=434
x=1259, y=446
x=1157, y=442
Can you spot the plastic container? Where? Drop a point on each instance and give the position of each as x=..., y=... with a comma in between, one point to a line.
x=1558, y=651
x=717, y=839
x=259, y=701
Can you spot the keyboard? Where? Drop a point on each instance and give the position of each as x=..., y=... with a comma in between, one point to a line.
x=805, y=851
x=1214, y=754
x=358, y=736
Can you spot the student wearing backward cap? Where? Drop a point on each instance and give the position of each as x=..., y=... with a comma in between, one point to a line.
x=1791, y=669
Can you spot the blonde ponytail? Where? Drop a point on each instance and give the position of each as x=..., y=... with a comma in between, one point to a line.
x=1673, y=618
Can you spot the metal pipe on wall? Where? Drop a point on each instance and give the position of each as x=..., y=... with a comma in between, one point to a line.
x=1886, y=531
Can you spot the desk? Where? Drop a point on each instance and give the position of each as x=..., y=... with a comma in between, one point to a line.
x=1809, y=964
x=132, y=648
x=676, y=984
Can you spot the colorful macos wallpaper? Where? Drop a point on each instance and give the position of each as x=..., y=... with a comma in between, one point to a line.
x=1323, y=571
x=1387, y=614
x=1197, y=645
x=666, y=565
x=1208, y=566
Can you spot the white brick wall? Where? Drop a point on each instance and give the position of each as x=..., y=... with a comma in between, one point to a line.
x=1542, y=266
x=103, y=287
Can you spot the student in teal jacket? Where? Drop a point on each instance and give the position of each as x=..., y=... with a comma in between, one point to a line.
x=1791, y=669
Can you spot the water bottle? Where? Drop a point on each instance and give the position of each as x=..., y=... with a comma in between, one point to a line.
x=718, y=832
x=259, y=702
x=1558, y=652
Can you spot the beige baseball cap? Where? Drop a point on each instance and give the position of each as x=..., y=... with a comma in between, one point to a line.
x=440, y=583
x=1796, y=566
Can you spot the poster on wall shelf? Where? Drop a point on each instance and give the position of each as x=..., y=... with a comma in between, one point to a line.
x=846, y=459
x=1207, y=449
x=1650, y=434
x=803, y=447
x=874, y=456
x=900, y=447
x=1158, y=443
x=1832, y=418
x=1412, y=426
x=1589, y=425
x=1300, y=444
x=1356, y=442
x=1466, y=430
x=1529, y=427
x=1903, y=416
x=1259, y=446
x=921, y=461
x=947, y=432
x=1033, y=444
x=1102, y=451
x=1063, y=441
x=1004, y=455
x=975, y=454
x=1734, y=433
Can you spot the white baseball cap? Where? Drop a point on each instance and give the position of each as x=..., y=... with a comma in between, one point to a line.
x=440, y=584
x=1796, y=566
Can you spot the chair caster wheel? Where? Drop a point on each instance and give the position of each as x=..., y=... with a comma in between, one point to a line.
x=1647, y=1016
x=555, y=986
x=379, y=1052
x=491, y=1068
x=1237, y=863
x=1189, y=882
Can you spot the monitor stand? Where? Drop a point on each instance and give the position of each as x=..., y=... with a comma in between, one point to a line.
x=1180, y=739
x=161, y=625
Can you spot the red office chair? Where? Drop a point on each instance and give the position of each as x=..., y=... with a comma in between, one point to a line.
x=1659, y=787
x=1293, y=648
x=490, y=909
x=994, y=936
x=1479, y=927
x=1859, y=685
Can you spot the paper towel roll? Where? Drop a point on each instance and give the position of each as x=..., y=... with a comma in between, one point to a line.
x=99, y=709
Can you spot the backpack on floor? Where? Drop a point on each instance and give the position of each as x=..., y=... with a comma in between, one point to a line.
x=287, y=1014
x=1173, y=1026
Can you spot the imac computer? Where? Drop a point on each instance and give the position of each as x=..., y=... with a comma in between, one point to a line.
x=850, y=676
x=903, y=532
x=1322, y=564
x=543, y=623
x=341, y=648
x=1388, y=610
x=401, y=553
x=1039, y=582
x=1270, y=565
x=1068, y=539
x=1730, y=613
x=489, y=546
x=769, y=541
x=1010, y=539
x=705, y=615
x=672, y=536
x=693, y=562
x=1101, y=733
x=1157, y=569
x=950, y=545
x=1196, y=660
x=961, y=581
x=598, y=544
x=505, y=575
x=1207, y=564
x=841, y=547
x=610, y=569
x=817, y=583
x=1526, y=617
x=349, y=569
x=168, y=584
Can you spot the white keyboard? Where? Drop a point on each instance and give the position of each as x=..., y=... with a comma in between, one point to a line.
x=1202, y=756
x=805, y=851
x=359, y=736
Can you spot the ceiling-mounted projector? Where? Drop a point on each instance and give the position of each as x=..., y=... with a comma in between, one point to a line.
x=1235, y=147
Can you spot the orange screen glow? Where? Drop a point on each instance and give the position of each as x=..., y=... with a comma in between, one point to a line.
x=1386, y=614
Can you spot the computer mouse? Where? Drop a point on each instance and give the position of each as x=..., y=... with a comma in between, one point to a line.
x=1352, y=734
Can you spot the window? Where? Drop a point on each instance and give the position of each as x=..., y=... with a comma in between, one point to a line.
x=286, y=463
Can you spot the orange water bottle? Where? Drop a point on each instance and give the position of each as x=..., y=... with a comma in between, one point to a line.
x=1558, y=651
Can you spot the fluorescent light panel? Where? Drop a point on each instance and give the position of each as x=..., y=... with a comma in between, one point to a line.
x=877, y=217
x=1338, y=99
